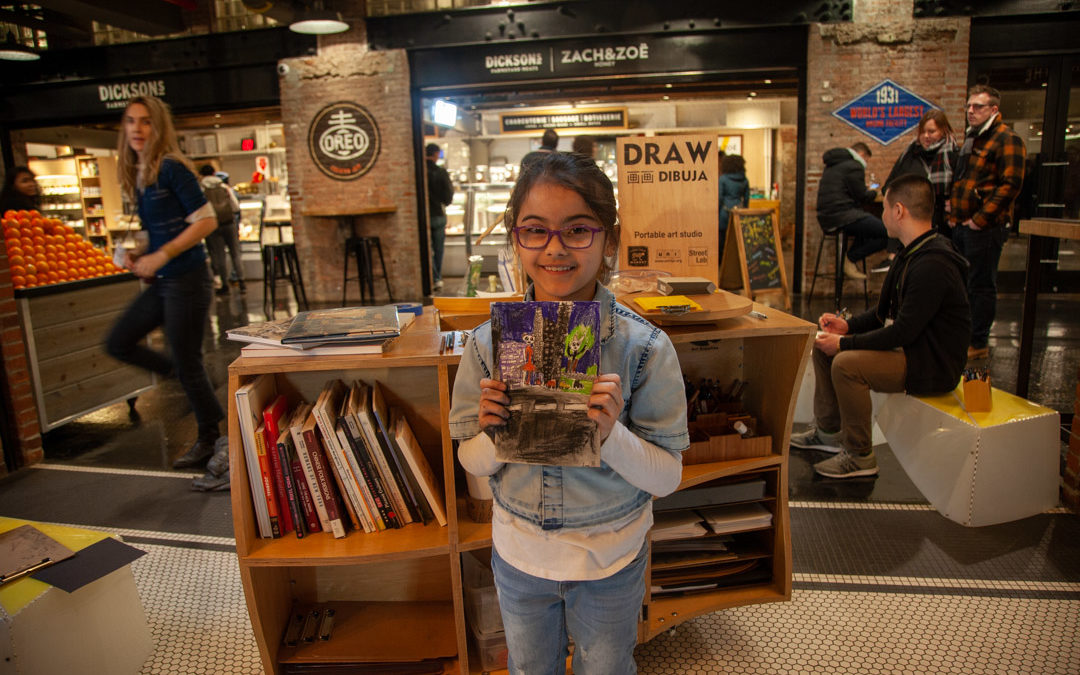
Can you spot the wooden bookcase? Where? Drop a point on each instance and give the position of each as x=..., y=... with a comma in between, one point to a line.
x=397, y=589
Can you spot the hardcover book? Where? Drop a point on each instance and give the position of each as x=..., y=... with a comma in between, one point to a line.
x=548, y=354
x=251, y=398
x=365, y=455
x=266, y=333
x=324, y=478
x=343, y=324
x=272, y=415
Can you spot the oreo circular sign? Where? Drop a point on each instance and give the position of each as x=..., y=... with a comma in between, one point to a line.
x=344, y=140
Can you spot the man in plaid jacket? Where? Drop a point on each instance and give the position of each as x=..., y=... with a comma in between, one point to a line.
x=989, y=174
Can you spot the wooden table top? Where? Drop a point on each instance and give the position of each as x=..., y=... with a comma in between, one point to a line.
x=1051, y=227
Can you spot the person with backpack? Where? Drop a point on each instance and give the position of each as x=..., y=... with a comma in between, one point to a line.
x=226, y=208
x=734, y=192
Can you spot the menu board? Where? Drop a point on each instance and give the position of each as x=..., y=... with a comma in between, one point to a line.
x=753, y=258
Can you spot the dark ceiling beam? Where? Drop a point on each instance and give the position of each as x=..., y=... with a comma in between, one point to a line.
x=149, y=17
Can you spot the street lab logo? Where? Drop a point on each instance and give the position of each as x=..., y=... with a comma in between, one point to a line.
x=344, y=140
x=637, y=256
x=514, y=63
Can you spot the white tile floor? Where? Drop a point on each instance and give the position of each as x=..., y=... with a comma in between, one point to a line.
x=195, y=607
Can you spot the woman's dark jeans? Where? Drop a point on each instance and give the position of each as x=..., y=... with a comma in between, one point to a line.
x=180, y=305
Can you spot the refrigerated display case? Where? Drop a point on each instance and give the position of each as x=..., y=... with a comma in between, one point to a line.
x=475, y=207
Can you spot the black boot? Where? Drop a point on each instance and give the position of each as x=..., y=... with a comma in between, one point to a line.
x=199, y=452
x=219, y=463
x=211, y=483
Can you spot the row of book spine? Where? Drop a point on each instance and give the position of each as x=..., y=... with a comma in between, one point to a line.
x=345, y=461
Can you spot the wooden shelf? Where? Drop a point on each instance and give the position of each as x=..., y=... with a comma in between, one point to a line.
x=666, y=613
x=471, y=535
x=380, y=631
x=322, y=548
x=400, y=588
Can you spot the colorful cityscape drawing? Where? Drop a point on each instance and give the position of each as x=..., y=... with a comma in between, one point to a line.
x=548, y=354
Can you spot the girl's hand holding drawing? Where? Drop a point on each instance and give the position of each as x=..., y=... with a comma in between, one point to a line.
x=605, y=403
x=493, y=402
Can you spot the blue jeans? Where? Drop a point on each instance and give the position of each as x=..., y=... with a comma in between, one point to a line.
x=438, y=241
x=601, y=615
x=180, y=305
x=867, y=235
x=982, y=248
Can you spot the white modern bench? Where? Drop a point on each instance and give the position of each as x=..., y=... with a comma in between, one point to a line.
x=976, y=468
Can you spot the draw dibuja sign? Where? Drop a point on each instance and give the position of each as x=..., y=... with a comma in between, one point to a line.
x=668, y=204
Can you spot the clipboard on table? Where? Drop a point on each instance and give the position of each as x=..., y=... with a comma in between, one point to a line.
x=25, y=550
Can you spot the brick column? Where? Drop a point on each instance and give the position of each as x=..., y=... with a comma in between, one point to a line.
x=344, y=69
x=17, y=398
x=927, y=56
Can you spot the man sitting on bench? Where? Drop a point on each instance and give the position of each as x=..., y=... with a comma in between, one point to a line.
x=915, y=340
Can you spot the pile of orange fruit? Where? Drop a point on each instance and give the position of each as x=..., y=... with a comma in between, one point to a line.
x=43, y=251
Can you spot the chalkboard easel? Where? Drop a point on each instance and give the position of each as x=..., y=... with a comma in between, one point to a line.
x=753, y=258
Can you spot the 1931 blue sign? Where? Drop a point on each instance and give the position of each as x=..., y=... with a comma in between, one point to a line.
x=885, y=111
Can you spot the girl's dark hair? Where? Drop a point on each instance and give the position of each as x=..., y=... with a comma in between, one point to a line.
x=732, y=164
x=582, y=175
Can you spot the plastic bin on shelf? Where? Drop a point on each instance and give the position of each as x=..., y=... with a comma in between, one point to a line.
x=490, y=648
x=481, y=600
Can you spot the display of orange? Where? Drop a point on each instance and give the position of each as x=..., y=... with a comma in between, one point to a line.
x=18, y=281
x=31, y=279
x=26, y=242
x=18, y=270
x=15, y=261
x=11, y=214
x=14, y=250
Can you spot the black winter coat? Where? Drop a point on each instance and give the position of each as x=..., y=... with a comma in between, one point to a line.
x=925, y=295
x=842, y=190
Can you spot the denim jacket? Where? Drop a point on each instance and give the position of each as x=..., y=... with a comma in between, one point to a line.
x=163, y=209
x=654, y=408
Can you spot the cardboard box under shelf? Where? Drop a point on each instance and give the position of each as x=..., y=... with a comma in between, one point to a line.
x=713, y=443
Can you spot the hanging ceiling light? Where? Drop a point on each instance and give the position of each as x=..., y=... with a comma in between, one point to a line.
x=318, y=21
x=13, y=51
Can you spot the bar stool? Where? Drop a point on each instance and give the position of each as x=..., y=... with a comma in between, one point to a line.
x=363, y=249
x=281, y=262
x=840, y=244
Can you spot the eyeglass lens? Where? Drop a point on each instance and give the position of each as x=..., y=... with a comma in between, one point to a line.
x=571, y=237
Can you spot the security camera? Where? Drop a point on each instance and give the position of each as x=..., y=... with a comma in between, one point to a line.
x=283, y=69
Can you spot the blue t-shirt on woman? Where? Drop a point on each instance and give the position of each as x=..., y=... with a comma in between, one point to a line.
x=163, y=210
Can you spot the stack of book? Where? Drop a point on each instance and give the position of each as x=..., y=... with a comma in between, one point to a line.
x=343, y=462
x=321, y=332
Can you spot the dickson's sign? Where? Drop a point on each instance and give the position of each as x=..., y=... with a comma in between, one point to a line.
x=344, y=140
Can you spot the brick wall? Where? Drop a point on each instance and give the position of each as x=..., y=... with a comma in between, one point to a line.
x=17, y=398
x=345, y=70
x=927, y=56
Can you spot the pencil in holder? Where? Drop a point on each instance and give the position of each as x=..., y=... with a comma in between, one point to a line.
x=977, y=396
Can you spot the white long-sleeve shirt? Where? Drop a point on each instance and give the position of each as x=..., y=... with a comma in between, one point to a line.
x=586, y=553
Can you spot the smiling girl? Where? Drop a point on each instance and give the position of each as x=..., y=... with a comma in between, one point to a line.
x=569, y=551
